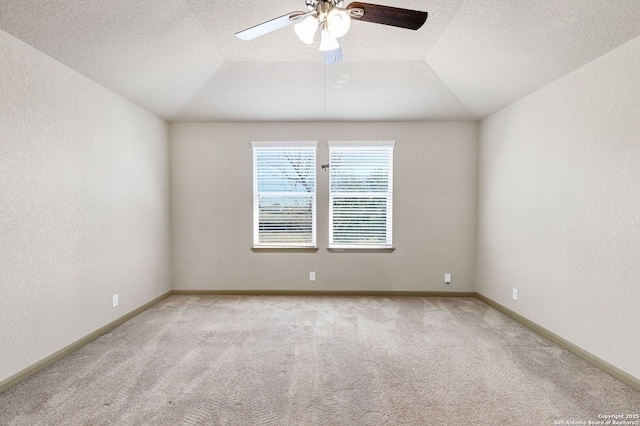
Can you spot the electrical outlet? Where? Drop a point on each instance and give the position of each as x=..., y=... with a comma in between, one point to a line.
x=515, y=294
x=447, y=278
x=312, y=276
x=115, y=300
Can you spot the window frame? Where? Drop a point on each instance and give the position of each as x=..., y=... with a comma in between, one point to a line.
x=364, y=146
x=266, y=146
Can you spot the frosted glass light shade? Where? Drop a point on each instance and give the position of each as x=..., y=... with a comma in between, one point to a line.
x=306, y=29
x=328, y=42
x=338, y=23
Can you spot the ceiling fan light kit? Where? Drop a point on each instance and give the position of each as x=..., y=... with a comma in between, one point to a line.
x=334, y=22
x=306, y=30
x=328, y=42
x=337, y=22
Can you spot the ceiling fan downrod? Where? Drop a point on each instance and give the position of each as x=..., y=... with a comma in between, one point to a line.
x=325, y=6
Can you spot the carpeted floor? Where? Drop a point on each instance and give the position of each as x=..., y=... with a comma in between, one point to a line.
x=280, y=360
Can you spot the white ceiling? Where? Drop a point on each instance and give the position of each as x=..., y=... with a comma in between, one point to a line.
x=181, y=60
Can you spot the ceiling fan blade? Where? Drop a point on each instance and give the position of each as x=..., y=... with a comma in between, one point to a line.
x=396, y=17
x=333, y=56
x=269, y=26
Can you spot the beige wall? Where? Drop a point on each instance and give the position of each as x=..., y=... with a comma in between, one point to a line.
x=434, y=210
x=559, y=210
x=84, y=211
x=84, y=207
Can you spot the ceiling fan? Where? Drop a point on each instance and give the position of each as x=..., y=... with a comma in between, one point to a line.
x=333, y=21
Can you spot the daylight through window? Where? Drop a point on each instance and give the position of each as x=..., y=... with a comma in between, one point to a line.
x=361, y=194
x=284, y=194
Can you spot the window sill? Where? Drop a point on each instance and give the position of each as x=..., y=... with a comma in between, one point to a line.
x=284, y=249
x=361, y=249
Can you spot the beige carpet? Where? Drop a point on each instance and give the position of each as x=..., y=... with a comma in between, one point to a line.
x=279, y=360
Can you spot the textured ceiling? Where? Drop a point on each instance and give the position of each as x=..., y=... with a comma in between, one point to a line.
x=180, y=59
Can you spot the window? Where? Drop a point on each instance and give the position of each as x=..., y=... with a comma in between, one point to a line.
x=284, y=194
x=360, y=194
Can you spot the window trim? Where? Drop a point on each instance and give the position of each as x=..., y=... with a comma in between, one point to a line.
x=369, y=146
x=294, y=247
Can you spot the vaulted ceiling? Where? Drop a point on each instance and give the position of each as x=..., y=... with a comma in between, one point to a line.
x=181, y=60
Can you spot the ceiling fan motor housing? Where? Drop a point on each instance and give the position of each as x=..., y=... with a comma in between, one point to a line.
x=323, y=5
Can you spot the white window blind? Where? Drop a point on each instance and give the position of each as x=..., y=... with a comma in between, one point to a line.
x=284, y=194
x=360, y=194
